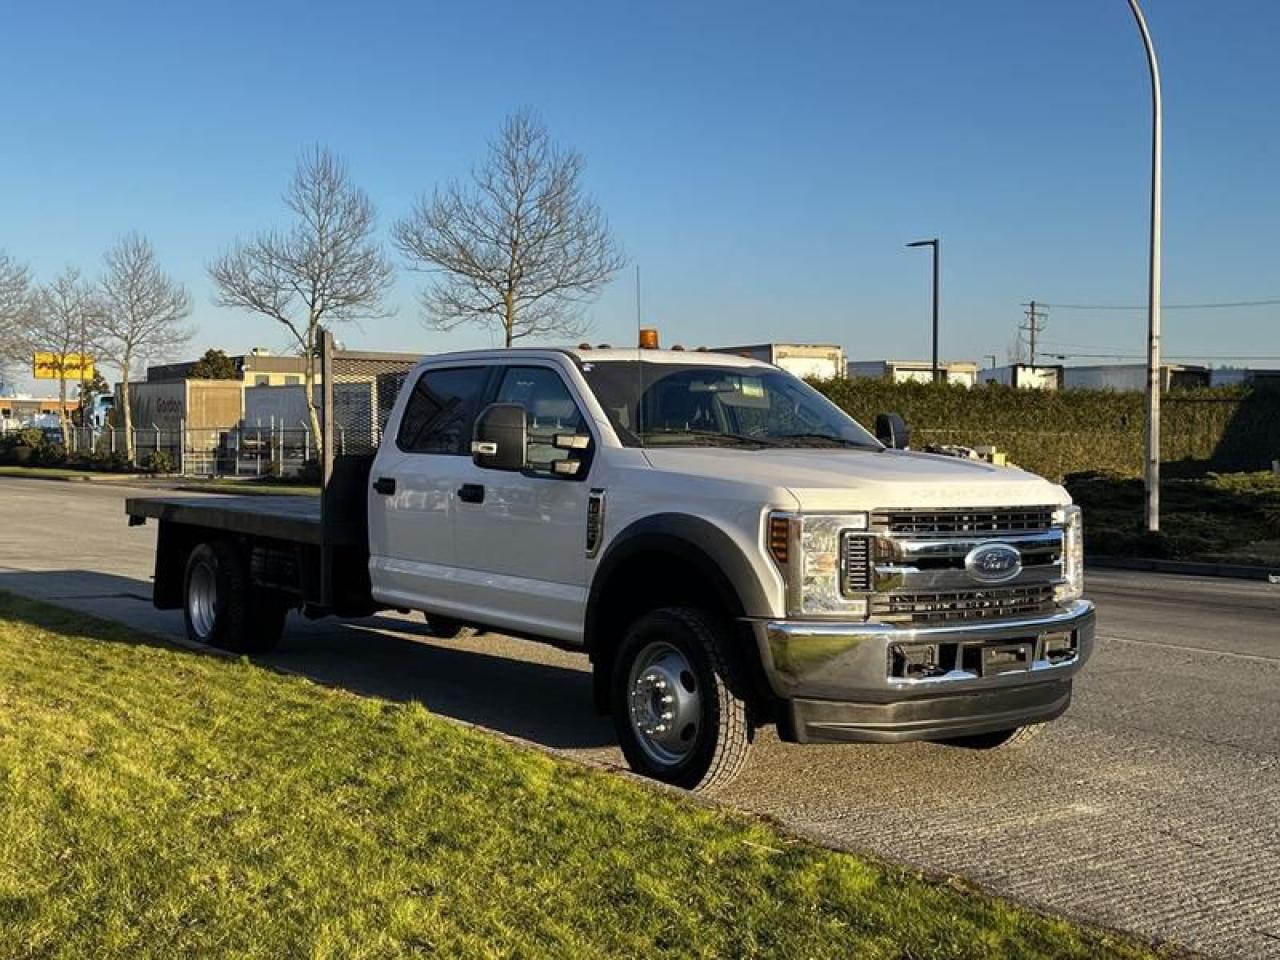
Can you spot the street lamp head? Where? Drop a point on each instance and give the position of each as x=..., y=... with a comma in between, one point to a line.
x=924, y=243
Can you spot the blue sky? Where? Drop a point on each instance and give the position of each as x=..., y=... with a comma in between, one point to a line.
x=763, y=163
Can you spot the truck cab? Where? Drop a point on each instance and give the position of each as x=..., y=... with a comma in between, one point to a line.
x=731, y=550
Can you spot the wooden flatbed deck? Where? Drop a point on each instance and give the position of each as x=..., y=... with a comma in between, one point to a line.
x=295, y=519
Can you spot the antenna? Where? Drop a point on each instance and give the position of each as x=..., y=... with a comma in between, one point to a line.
x=639, y=367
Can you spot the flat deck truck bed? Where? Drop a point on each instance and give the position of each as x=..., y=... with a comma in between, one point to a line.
x=292, y=546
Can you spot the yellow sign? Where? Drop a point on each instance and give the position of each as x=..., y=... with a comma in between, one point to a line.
x=46, y=365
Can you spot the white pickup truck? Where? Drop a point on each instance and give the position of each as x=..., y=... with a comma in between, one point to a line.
x=728, y=547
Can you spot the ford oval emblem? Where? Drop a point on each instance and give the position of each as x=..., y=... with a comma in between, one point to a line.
x=993, y=563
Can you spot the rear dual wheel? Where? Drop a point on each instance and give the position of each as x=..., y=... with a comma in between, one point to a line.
x=223, y=609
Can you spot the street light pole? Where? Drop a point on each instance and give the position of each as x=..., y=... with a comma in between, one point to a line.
x=936, y=244
x=1153, y=280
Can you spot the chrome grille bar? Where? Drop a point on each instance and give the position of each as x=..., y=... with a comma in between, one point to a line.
x=968, y=521
x=959, y=605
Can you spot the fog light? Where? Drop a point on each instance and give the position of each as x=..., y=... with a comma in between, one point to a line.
x=1058, y=647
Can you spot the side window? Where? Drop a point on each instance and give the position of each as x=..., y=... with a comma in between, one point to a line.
x=441, y=410
x=549, y=409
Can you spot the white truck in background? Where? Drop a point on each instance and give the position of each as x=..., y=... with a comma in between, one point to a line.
x=728, y=547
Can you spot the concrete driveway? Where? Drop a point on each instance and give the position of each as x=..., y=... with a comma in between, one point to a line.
x=1152, y=806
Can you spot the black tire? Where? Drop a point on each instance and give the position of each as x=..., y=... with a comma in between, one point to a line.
x=221, y=607
x=998, y=739
x=715, y=725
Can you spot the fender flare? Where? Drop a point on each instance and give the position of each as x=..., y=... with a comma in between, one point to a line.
x=721, y=565
x=700, y=542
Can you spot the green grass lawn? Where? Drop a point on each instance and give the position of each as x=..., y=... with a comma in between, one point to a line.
x=1227, y=518
x=160, y=803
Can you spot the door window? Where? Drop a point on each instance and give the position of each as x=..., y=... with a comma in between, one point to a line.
x=440, y=412
x=549, y=409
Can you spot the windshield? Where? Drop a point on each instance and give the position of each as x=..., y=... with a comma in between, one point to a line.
x=691, y=405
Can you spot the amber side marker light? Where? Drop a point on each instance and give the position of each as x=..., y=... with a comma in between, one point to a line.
x=779, y=537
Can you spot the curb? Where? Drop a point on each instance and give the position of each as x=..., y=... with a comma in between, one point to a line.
x=1235, y=571
x=86, y=477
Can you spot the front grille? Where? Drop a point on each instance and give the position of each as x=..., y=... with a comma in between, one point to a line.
x=967, y=521
x=855, y=563
x=994, y=604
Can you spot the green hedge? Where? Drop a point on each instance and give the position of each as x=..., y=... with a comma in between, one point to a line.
x=1057, y=433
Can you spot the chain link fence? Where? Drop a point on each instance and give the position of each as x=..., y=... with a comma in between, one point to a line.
x=358, y=389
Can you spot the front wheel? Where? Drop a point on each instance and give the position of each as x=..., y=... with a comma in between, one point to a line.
x=675, y=709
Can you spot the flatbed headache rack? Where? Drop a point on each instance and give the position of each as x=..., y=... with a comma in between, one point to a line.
x=320, y=544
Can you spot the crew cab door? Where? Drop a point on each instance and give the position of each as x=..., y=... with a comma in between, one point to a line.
x=520, y=551
x=413, y=485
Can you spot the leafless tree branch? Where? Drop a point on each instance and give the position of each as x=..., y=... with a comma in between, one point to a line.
x=522, y=249
x=63, y=318
x=14, y=283
x=143, y=310
x=326, y=269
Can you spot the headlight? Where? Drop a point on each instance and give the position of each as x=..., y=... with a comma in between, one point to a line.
x=1072, y=521
x=807, y=549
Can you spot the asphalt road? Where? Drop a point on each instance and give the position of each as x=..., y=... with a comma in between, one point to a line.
x=1153, y=805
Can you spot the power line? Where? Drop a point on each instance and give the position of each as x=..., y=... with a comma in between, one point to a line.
x=1226, y=305
x=1168, y=356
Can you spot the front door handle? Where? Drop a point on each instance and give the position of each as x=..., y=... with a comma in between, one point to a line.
x=385, y=486
x=471, y=493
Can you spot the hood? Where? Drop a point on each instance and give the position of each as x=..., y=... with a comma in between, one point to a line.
x=838, y=480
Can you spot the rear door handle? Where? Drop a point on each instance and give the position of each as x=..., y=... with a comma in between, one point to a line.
x=471, y=493
x=385, y=485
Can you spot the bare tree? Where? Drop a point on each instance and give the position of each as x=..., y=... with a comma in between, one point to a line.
x=142, y=316
x=14, y=303
x=64, y=317
x=326, y=269
x=521, y=249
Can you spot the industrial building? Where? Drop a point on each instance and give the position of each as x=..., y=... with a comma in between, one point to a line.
x=257, y=368
x=1133, y=376
x=1025, y=375
x=961, y=372
x=818, y=361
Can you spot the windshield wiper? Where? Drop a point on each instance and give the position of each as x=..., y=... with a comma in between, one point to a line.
x=702, y=435
x=782, y=438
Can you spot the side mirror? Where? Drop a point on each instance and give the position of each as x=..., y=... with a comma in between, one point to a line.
x=500, y=439
x=891, y=430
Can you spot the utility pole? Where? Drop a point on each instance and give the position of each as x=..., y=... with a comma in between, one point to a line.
x=1033, y=326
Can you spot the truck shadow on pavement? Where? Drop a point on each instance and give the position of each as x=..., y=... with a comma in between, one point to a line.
x=523, y=689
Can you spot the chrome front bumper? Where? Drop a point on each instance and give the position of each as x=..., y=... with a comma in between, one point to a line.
x=837, y=680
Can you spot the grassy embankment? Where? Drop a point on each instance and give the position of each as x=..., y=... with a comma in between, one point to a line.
x=1226, y=518
x=160, y=803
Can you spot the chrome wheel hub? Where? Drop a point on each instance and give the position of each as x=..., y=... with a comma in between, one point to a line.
x=665, y=703
x=202, y=600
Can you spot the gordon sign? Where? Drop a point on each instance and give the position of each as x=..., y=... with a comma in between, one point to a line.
x=46, y=365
